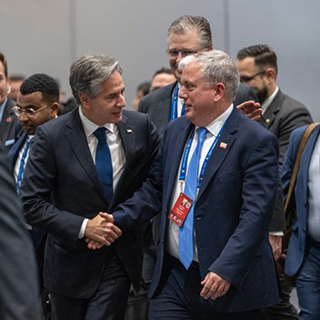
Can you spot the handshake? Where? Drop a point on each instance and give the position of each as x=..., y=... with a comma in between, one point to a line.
x=101, y=231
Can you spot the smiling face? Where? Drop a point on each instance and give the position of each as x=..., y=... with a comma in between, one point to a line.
x=187, y=42
x=107, y=106
x=200, y=99
x=36, y=102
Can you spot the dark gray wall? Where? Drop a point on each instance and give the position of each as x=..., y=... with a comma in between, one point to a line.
x=47, y=36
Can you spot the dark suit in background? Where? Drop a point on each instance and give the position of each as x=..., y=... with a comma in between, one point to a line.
x=61, y=166
x=283, y=115
x=8, y=125
x=19, y=294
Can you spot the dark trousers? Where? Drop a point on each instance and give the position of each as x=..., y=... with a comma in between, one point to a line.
x=284, y=310
x=108, y=302
x=178, y=297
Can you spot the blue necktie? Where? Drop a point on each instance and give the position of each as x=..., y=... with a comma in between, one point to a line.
x=104, y=163
x=22, y=164
x=190, y=190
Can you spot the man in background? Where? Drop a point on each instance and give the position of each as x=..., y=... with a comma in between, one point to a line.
x=8, y=120
x=281, y=114
x=15, y=81
x=162, y=78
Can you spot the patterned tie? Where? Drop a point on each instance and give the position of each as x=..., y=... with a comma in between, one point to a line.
x=190, y=190
x=104, y=163
x=23, y=164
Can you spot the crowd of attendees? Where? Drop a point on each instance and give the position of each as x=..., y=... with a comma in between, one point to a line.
x=97, y=185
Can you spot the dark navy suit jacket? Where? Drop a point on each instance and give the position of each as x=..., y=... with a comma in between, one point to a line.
x=297, y=244
x=61, y=169
x=232, y=213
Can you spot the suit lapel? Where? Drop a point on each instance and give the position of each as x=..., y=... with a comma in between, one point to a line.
x=164, y=106
x=219, y=154
x=128, y=138
x=174, y=156
x=271, y=112
x=78, y=143
x=14, y=151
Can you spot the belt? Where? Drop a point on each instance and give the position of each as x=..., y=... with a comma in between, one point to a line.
x=178, y=263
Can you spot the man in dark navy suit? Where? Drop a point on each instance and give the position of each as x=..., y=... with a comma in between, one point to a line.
x=214, y=259
x=82, y=163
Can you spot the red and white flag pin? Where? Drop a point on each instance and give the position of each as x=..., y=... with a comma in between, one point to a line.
x=223, y=145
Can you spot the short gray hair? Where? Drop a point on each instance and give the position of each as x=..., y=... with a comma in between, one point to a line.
x=187, y=23
x=88, y=72
x=217, y=66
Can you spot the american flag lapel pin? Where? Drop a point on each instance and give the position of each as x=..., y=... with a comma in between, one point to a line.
x=223, y=145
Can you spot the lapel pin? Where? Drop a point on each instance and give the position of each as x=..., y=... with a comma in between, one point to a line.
x=129, y=130
x=8, y=120
x=223, y=145
x=267, y=120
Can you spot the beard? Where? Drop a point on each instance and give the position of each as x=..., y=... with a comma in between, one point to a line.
x=262, y=94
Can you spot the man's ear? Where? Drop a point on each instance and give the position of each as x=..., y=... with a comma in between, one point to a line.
x=84, y=100
x=219, y=91
x=54, y=109
x=271, y=74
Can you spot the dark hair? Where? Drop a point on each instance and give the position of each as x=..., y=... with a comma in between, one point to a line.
x=163, y=70
x=5, y=65
x=188, y=22
x=16, y=77
x=262, y=54
x=144, y=87
x=43, y=83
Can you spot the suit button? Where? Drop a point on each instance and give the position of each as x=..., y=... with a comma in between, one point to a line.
x=304, y=229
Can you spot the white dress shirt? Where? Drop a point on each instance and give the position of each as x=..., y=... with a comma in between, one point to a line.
x=314, y=195
x=117, y=153
x=173, y=230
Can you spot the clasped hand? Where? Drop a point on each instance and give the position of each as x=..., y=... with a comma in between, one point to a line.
x=101, y=231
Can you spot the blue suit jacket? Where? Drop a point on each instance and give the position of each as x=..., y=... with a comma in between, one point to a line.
x=232, y=213
x=297, y=244
x=61, y=187
x=14, y=151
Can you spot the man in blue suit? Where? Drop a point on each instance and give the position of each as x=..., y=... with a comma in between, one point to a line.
x=303, y=256
x=82, y=163
x=214, y=260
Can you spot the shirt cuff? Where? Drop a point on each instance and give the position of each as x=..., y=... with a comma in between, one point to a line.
x=83, y=228
x=276, y=233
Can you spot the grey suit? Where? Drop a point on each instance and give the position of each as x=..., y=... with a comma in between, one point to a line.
x=282, y=117
x=19, y=296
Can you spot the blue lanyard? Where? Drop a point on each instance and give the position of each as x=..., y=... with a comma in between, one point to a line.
x=174, y=104
x=183, y=169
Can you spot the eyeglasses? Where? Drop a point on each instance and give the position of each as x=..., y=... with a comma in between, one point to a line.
x=245, y=79
x=29, y=112
x=173, y=53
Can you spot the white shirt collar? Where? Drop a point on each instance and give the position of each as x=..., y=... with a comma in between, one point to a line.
x=89, y=127
x=268, y=101
x=215, y=126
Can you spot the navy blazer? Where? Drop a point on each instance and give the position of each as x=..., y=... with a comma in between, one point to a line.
x=61, y=168
x=297, y=244
x=14, y=151
x=232, y=212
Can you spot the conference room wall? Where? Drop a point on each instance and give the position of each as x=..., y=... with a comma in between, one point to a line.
x=47, y=36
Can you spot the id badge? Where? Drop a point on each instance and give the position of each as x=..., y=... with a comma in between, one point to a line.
x=180, y=209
